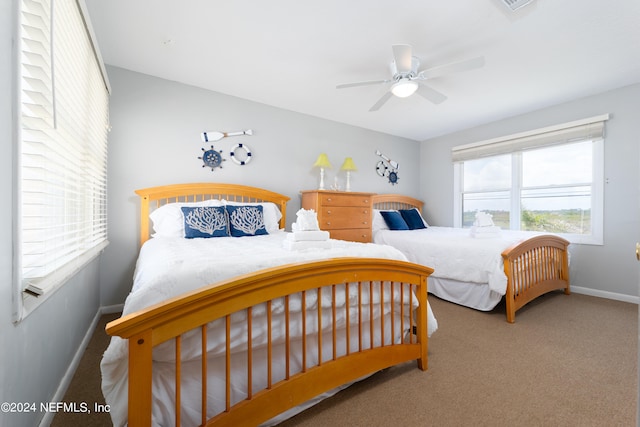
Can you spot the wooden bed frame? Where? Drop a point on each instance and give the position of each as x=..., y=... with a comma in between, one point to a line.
x=533, y=267
x=154, y=197
x=194, y=311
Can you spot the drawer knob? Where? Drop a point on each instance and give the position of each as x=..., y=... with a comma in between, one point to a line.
x=328, y=212
x=328, y=199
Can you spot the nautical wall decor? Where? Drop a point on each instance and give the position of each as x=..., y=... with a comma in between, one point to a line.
x=240, y=154
x=212, y=158
x=214, y=135
x=387, y=168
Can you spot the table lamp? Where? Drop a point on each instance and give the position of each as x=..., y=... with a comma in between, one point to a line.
x=322, y=162
x=348, y=166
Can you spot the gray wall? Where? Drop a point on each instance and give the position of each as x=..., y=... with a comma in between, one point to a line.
x=155, y=140
x=609, y=270
x=35, y=353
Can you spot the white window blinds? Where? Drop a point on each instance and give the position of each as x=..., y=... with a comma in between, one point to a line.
x=64, y=101
x=579, y=130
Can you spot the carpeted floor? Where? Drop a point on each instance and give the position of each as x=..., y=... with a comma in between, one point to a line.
x=567, y=361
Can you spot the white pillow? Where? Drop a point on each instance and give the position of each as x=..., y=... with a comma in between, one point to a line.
x=378, y=222
x=168, y=220
x=272, y=214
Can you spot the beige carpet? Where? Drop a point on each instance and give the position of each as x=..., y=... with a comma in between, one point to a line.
x=567, y=361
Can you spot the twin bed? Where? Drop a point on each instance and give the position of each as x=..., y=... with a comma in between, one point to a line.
x=240, y=331
x=477, y=271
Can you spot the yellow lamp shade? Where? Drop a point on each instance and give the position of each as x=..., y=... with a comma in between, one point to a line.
x=322, y=162
x=348, y=165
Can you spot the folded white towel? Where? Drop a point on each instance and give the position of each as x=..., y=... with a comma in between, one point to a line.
x=309, y=244
x=316, y=235
x=485, y=232
x=489, y=229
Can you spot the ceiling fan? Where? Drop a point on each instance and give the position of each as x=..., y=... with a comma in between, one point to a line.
x=406, y=77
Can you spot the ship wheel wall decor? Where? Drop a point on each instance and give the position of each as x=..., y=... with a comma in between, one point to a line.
x=212, y=158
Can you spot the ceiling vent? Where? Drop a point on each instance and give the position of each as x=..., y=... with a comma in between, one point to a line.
x=516, y=4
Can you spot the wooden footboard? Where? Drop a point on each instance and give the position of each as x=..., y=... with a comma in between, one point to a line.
x=533, y=267
x=354, y=351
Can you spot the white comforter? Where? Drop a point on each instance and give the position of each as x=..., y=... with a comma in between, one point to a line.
x=454, y=254
x=168, y=267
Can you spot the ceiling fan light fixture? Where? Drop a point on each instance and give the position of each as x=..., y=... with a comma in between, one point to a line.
x=404, y=88
x=514, y=5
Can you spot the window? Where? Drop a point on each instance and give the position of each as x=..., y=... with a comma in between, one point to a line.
x=548, y=180
x=63, y=101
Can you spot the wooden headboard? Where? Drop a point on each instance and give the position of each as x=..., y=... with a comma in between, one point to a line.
x=396, y=201
x=154, y=197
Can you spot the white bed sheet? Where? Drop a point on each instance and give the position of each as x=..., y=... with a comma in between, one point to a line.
x=168, y=267
x=457, y=256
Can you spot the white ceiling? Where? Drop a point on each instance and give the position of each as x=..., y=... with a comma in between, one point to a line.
x=291, y=53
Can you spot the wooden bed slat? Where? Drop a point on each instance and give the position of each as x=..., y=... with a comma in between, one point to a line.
x=178, y=403
x=203, y=374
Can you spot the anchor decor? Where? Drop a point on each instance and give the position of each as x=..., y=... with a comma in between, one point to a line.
x=387, y=168
x=212, y=158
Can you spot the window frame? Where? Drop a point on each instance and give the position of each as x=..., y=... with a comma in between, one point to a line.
x=596, y=237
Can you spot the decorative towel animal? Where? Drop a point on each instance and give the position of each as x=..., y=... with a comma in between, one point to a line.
x=483, y=226
x=306, y=233
x=483, y=219
x=307, y=221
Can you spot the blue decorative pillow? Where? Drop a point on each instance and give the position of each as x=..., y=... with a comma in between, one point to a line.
x=394, y=220
x=246, y=220
x=413, y=218
x=205, y=221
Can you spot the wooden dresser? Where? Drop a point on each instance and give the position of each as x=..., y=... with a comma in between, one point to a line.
x=345, y=215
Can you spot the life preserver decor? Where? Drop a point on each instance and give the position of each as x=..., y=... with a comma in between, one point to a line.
x=240, y=154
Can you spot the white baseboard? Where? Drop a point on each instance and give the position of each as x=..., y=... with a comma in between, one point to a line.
x=605, y=294
x=71, y=370
x=110, y=309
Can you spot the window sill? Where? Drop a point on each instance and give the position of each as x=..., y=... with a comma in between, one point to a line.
x=29, y=302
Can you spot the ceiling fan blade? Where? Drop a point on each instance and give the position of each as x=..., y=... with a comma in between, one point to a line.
x=402, y=57
x=454, y=67
x=381, y=101
x=431, y=94
x=367, y=83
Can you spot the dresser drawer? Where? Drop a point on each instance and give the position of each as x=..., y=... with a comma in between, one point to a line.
x=354, y=235
x=344, y=217
x=345, y=200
